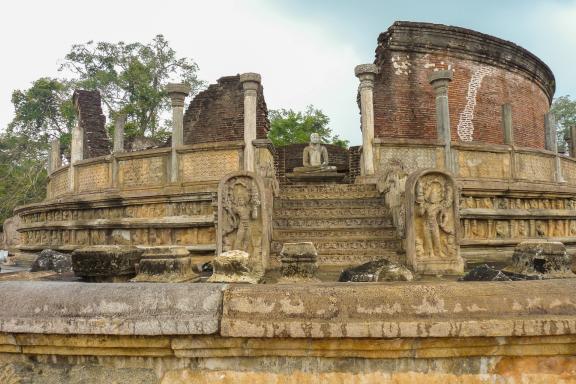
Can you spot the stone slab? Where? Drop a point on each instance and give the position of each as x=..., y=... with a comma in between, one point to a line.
x=110, y=309
x=443, y=309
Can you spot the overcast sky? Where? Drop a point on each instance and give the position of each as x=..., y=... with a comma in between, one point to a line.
x=305, y=50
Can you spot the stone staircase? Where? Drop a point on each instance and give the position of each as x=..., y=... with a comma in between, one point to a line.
x=348, y=223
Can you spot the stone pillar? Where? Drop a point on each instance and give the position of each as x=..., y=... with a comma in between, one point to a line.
x=550, y=132
x=551, y=142
x=507, y=127
x=439, y=81
x=366, y=74
x=177, y=93
x=76, y=152
x=54, y=158
x=119, y=124
x=250, y=82
x=572, y=148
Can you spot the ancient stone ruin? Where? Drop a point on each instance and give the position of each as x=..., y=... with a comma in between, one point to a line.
x=217, y=256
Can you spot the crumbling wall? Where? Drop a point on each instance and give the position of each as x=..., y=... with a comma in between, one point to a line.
x=488, y=72
x=217, y=113
x=92, y=121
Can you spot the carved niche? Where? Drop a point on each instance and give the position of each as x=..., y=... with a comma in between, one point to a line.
x=244, y=217
x=432, y=223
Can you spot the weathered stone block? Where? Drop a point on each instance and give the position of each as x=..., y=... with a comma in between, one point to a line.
x=50, y=260
x=377, y=270
x=110, y=309
x=234, y=267
x=548, y=259
x=396, y=310
x=299, y=261
x=106, y=262
x=166, y=264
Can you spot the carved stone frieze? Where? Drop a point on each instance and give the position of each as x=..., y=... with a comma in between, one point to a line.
x=432, y=222
x=334, y=222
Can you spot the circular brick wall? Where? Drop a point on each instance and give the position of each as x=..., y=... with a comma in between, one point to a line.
x=488, y=72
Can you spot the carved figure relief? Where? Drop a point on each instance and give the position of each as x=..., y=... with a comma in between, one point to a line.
x=432, y=223
x=393, y=186
x=242, y=217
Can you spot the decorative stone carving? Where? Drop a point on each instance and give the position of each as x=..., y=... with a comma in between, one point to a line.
x=244, y=218
x=393, y=186
x=299, y=262
x=432, y=241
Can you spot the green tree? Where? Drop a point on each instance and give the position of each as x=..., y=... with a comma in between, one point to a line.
x=564, y=111
x=290, y=127
x=23, y=176
x=131, y=79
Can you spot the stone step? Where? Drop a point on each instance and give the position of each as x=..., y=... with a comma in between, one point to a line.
x=377, y=202
x=340, y=212
x=351, y=258
x=348, y=246
x=332, y=223
x=315, y=234
x=328, y=191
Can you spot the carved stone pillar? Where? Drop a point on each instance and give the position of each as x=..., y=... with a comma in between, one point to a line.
x=54, y=158
x=177, y=93
x=507, y=127
x=366, y=74
x=119, y=124
x=439, y=81
x=250, y=82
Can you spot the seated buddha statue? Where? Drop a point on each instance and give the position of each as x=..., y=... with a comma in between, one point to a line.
x=315, y=158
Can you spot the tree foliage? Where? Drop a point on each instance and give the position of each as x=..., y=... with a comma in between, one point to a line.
x=131, y=79
x=23, y=175
x=291, y=127
x=564, y=111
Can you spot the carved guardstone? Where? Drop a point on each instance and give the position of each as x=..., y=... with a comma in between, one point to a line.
x=432, y=223
x=244, y=224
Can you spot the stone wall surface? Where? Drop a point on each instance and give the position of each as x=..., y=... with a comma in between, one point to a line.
x=92, y=121
x=487, y=73
x=443, y=332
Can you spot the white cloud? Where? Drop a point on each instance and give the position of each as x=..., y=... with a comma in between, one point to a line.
x=299, y=62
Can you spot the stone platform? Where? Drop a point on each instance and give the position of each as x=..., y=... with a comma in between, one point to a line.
x=315, y=178
x=443, y=332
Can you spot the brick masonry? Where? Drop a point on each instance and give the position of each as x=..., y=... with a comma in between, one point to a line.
x=92, y=121
x=217, y=113
x=488, y=72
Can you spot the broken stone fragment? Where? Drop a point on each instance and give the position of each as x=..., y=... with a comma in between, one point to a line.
x=377, y=270
x=299, y=262
x=548, y=259
x=166, y=264
x=106, y=263
x=234, y=267
x=50, y=260
x=485, y=272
